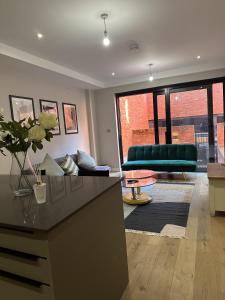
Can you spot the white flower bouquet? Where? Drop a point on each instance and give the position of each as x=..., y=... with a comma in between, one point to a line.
x=18, y=137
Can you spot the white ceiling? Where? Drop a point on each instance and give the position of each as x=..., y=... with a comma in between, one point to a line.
x=170, y=33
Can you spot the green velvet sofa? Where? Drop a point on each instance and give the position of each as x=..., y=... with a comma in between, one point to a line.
x=169, y=158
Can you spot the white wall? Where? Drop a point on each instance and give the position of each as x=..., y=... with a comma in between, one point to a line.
x=21, y=79
x=107, y=142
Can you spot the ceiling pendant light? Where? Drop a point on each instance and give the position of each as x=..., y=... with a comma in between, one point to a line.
x=151, y=77
x=106, y=40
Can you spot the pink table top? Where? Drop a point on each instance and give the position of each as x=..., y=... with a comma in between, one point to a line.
x=139, y=174
x=143, y=177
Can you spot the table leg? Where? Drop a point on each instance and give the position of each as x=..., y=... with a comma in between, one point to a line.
x=133, y=194
x=138, y=191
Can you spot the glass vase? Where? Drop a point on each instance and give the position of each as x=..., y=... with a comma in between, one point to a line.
x=21, y=174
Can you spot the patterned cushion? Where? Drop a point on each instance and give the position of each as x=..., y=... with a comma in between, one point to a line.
x=69, y=166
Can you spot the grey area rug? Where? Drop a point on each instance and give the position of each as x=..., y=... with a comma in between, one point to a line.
x=154, y=217
x=167, y=215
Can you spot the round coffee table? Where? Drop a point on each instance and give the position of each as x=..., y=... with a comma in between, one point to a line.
x=135, y=180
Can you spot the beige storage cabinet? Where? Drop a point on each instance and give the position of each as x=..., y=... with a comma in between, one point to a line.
x=216, y=176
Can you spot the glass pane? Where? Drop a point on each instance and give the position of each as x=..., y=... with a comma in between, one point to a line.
x=189, y=121
x=137, y=121
x=218, y=119
x=162, y=118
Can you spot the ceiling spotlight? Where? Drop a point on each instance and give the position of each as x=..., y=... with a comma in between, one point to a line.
x=39, y=35
x=151, y=77
x=113, y=73
x=106, y=40
x=198, y=57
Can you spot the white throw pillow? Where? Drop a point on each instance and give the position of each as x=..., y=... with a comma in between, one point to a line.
x=51, y=167
x=85, y=161
x=69, y=166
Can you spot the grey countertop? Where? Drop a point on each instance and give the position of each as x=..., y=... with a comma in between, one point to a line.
x=65, y=196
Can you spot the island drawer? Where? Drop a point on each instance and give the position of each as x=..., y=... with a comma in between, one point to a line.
x=29, y=243
x=30, y=266
x=17, y=289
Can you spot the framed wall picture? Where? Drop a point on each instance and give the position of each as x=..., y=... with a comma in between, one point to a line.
x=52, y=108
x=21, y=108
x=70, y=118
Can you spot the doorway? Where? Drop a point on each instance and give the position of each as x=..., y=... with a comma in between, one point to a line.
x=190, y=111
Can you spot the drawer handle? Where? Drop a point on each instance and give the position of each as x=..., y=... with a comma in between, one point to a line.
x=21, y=279
x=19, y=254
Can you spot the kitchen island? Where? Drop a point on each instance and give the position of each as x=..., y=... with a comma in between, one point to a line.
x=71, y=247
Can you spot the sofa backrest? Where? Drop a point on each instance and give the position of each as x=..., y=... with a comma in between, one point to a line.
x=163, y=152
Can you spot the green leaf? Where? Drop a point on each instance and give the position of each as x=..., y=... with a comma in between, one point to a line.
x=2, y=152
x=39, y=146
x=48, y=138
x=34, y=148
x=30, y=122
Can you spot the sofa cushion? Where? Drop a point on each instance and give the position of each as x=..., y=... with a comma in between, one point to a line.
x=60, y=160
x=161, y=165
x=85, y=161
x=50, y=166
x=69, y=166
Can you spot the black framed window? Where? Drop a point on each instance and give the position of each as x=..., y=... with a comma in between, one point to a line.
x=205, y=125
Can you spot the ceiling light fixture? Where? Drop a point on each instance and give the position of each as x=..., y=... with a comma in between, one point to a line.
x=151, y=77
x=106, y=40
x=39, y=35
x=113, y=73
x=134, y=46
x=198, y=57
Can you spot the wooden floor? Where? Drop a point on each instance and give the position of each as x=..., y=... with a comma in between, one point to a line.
x=179, y=269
